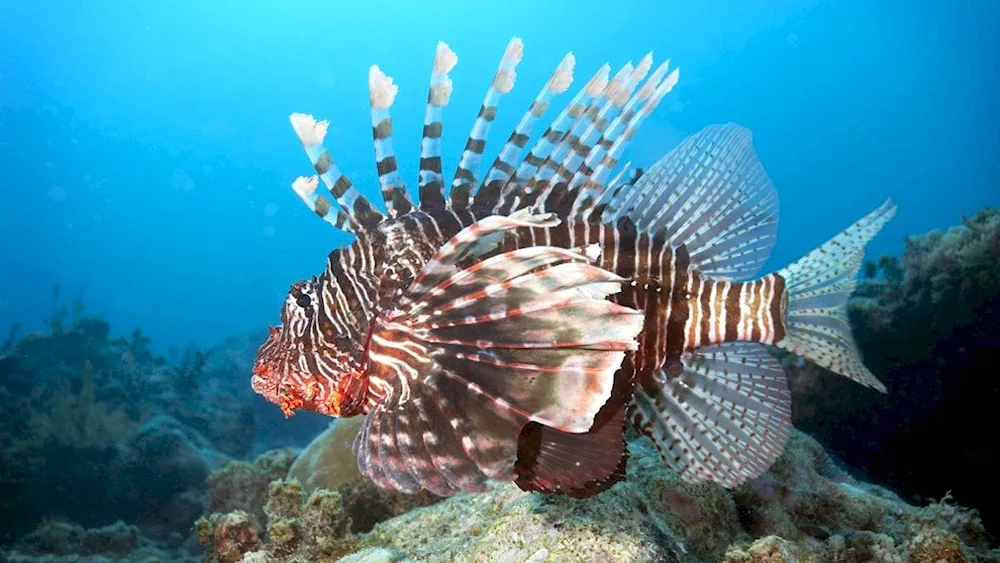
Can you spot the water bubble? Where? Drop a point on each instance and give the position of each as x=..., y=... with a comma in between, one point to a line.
x=271, y=209
x=269, y=231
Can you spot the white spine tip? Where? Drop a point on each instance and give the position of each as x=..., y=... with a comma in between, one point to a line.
x=617, y=91
x=654, y=81
x=563, y=76
x=310, y=132
x=305, y=187
x=382, y=91
x=504, y=80
x=599, y=82
x=515, y=51
x=444, y=58
x=672, y=80
x=642, y=70
x=441, y=93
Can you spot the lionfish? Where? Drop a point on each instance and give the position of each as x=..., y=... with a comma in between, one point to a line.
x=511, y=328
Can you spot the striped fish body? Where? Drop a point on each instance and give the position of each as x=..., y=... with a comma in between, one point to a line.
x=683, y=311
x=511, y=332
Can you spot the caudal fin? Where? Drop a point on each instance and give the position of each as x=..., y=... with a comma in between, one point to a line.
x=817, y=288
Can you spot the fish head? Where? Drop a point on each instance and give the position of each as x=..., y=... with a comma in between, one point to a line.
x=303, y=365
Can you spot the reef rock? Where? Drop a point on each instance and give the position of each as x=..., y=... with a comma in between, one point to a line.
x=928, y=325
x=96, y=429
x=804, y=509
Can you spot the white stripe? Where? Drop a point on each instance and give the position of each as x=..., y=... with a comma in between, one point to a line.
x=722, y=312
x=741, y=333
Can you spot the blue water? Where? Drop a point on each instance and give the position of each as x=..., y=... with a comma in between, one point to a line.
x=145, y=152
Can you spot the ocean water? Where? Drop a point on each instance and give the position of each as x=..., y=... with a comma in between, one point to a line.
x=150, y=158
x=146, y=156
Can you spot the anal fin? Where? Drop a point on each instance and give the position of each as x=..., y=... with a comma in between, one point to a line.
x=579, y=465
x=724, y=416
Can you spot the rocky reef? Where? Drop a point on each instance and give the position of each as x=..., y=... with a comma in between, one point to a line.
x=105, y=447
x=928, y=324
x=804, y=509
x=109, y=452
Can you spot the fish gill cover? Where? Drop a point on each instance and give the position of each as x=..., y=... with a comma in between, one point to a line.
x=155, y=181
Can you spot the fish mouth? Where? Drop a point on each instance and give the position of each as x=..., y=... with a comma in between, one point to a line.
x=265, y=381
x=267, y=375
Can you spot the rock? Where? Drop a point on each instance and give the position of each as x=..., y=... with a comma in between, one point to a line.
x=327, y=462
x=804, y=509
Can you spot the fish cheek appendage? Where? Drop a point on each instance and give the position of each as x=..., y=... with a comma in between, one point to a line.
x=511, y=323
x=304, y=364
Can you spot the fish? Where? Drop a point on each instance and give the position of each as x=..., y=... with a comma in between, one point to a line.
x=513, y=326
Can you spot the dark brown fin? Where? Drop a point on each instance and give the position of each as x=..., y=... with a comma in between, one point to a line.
x=579, y=465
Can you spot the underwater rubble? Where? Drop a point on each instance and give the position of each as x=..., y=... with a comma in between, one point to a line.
x=109, y=452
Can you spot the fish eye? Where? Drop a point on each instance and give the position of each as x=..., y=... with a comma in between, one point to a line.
x=303, y=300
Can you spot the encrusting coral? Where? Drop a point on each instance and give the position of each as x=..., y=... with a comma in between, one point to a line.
x=804, y=509
x=94, y=429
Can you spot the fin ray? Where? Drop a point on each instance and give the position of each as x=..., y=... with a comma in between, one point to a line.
x=431, y=185
x=382, y=94
x=817, y=288
x=312, y=133
x=712, y=195
x=725, y=418
x=468, y=166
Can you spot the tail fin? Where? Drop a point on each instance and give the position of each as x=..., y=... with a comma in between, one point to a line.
x=817, y=287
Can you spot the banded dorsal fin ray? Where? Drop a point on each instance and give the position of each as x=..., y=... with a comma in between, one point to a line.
x=382, y=93
x=569, y=163
x=574, y=171
x=588, y=186
x=360, y=211
x=547, y=178
x=431, y=184
x=609, y=115
x=517, y=193
x=306, y=188
x=712, y=195
x=503, y=167
x=468, y=166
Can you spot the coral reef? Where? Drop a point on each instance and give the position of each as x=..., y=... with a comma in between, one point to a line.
x=96, y=429
x=261, y=505
x=62, y=542
x=804, y=509
x=928, y=324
